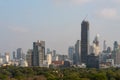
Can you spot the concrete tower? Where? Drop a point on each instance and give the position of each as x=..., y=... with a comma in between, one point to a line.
x=38, y=53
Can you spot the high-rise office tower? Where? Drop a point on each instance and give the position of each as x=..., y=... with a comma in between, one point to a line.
x=84, y=41
x=38, y=53
x=71, y=51
x=77, y=58
x=29, y=57
x=7, y=57
x=96, y=46
x=54, y=53
x=19, y=53
x=116, y=53
x=104, y=45
x=109, y=49
x=48, y=50
x=117, y=57
x=14, y=55
x=116, y=46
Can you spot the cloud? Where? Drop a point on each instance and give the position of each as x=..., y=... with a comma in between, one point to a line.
x=79, y=2
x=19, y=29
x=117, y=0
x=109, y=13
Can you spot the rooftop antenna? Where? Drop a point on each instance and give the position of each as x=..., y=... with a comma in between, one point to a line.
x=85, y=17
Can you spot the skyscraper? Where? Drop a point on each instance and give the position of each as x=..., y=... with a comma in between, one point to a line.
x=19, y=53
x=116, y=46
x=38, y=53
x=104, y=45
x=116, y=53
x=117, y=57
x=84, y=41
x=7, y=57
x=71, y=51
x=14, y=55
x=96, y=47
x=54, y=53
x=48, y=50
x=77, y=59
x=29, y=57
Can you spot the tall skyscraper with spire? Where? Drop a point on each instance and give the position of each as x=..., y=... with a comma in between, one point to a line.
x=84, y=41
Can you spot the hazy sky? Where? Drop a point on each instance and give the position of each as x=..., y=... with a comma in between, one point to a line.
x=58, y=22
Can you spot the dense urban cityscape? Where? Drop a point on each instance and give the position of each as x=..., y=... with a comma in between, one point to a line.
x=83, y=62
x=82, y=54
x=59, y=40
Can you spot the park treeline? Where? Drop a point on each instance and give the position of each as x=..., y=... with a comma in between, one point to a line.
x=37, y=73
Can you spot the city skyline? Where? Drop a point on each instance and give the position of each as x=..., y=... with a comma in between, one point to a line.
x=57, y=22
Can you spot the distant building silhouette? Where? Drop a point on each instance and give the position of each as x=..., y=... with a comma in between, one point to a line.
x=104, y=45
x=84, y=41
x=71, y=51
x=29, y=57
x=116, y=53
x=7, y=57
x=92, y=61
x=77, y=55
x=19, y=53
x=54, y=53
x=116, y=46
x=14, y=55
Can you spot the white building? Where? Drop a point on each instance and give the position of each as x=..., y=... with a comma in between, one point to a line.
x=23, y=63
x=49, y=59
x=111, y=61
x=95, y=48
x=7, y=57
x=1, y=61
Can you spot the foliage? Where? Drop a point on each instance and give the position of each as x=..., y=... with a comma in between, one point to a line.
x=37, y=73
